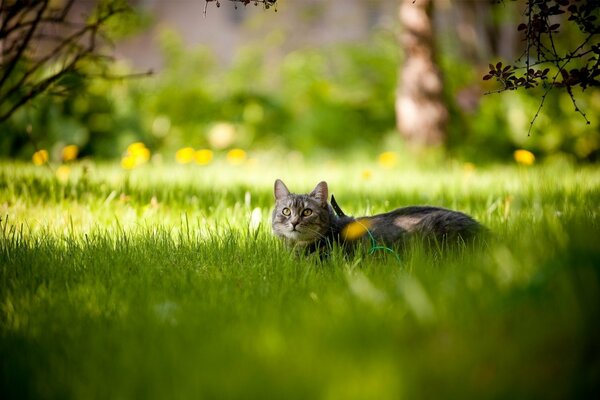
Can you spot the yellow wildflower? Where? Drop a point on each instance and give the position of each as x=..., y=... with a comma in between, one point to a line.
x=356, y=229
x=524, y=157
x=136, y=155
x=70, y=152
x=203, y=156
x=40, y=157
x=62, y=173
x=135, y=148
x=236, y=156
x=388, y=159
x=366, y=174
x=184, y=155
x=128, y=162
x=142, y=155
x=139, y=151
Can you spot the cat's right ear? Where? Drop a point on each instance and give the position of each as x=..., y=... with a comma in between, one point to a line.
x=320, y=193
x=281, y=190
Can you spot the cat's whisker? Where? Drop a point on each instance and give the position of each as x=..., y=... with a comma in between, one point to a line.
x=319, y=234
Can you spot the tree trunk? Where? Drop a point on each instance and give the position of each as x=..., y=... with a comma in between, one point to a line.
x=421, y=113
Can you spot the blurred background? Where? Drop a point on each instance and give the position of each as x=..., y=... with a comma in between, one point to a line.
x=303, y=79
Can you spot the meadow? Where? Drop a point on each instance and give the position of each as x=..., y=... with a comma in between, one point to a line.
x=165, y=282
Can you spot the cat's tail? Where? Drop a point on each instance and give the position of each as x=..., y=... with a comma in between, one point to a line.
x=336, y=207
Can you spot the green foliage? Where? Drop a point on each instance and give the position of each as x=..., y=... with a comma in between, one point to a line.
x=93, y=115
x=342, y=96
x=338, y=98
x=179, y=297
x=490, y=126
x=335, y=99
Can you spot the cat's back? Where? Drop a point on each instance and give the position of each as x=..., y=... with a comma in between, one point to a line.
x=428, y=221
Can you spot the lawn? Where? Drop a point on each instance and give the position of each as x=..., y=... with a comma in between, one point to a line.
x=159, y=283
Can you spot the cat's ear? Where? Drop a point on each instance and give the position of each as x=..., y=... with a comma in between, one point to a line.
x=320, y=193
x=281, y=190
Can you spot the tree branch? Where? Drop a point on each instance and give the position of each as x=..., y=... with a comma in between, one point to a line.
x=13, y=63
x=540, y=34
x=22, y=78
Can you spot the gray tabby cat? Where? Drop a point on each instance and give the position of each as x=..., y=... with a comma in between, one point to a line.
x=309, y=222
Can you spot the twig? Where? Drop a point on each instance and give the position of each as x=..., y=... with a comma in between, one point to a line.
x=73, y=47
x=561, y=68
x=13, y=63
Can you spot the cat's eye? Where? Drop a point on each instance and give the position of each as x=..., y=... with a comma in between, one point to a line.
x=286, y=212
x=306, y=212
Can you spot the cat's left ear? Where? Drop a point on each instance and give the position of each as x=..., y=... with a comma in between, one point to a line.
x=320, y=193
x=281, y=190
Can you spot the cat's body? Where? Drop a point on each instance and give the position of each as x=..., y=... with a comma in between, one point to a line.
x=309, y=222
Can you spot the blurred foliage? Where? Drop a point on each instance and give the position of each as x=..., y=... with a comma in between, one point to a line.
x=337, y=98
x=491, y=126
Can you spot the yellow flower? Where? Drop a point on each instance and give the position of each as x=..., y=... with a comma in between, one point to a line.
x=184, y=155
x=62, y=173
x=70, y=152
x=136, y=155
x=40, y=157
x=139, y=151
x=524, y=157
x=203, y=156
x=236, y=156
x=128, y=162
x=135, y=148
x=356, y=229
x=388, y=159
x=366, y=174
x=143, y=155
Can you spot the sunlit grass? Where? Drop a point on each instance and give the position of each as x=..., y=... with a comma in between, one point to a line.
x=165, y=281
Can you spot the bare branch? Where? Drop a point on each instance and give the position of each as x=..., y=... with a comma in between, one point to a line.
x=25, y=42
x=41, y=44
x=265, y=3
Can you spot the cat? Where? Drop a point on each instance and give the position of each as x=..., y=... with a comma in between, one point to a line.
x=310, y=223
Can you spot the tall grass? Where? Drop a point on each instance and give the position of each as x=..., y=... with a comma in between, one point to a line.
x=155, y=284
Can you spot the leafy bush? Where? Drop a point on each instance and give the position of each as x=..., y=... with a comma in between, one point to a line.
x=490, y=126
x=336, y=98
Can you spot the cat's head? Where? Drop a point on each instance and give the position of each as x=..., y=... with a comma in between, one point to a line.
x=301, y=218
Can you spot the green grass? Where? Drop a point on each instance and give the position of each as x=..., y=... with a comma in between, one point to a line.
x=151, y=284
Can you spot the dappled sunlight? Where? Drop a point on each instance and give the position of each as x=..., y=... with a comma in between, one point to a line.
x=62, y=173
x=188, y=250
x=97, y=194
x=140, y=211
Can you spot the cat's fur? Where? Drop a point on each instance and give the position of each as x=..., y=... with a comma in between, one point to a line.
x=322, y=226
